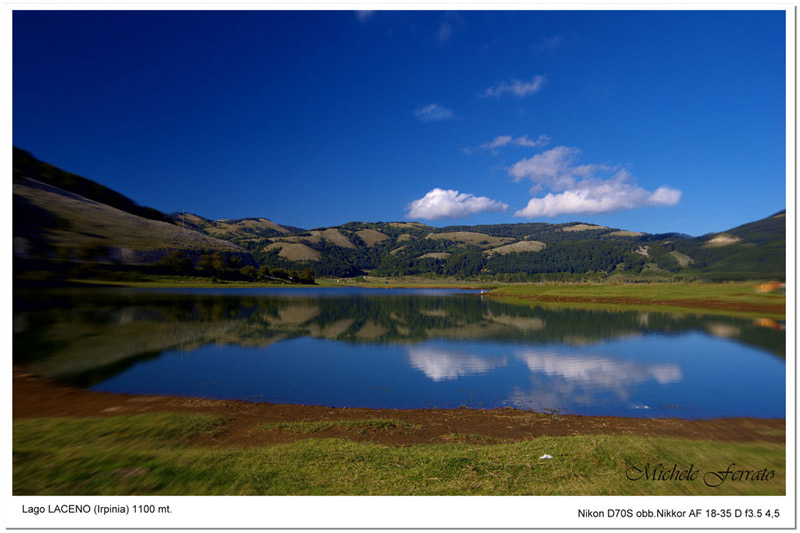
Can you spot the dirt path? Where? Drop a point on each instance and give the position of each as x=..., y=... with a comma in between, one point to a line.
x=37, y=397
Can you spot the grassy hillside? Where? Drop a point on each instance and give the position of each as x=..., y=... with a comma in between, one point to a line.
x=527, y=252
x=27, y=166
x=58, y=214
x=65, y=225
x=74, y=227
x=243, y=229
x=747, y=251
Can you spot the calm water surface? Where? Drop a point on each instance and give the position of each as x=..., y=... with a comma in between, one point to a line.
x=402, y=349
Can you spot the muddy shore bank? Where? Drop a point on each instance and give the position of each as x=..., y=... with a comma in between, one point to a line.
x=35, y=397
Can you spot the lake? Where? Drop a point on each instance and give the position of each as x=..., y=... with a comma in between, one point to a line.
x=402, y=348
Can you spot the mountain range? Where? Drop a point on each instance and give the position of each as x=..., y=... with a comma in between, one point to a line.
x=61, y=217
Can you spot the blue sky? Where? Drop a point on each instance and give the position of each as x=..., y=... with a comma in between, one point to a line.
x=650, y=121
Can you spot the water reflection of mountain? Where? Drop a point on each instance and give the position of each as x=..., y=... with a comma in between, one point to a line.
x=69, y=333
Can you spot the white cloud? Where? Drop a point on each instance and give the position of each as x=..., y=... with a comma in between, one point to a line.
x=364, y=16
x=552, y=168
x=440, y=203
x=452, y=23
x=517, y=87
x=444, y=32
x=524, y=141
x=497, y=142
x=549, y=43
x=603, y=197
x=503, y=140
x=433, y=113
x=491, y=146
x=665, y=196
x=582, y=188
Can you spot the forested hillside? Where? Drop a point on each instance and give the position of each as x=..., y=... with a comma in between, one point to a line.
x=519, y=252
x=51, y=221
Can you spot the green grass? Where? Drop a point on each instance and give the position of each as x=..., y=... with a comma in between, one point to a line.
x=657, y=293
x=475, y=438
x=361, y=427
x=152, y=454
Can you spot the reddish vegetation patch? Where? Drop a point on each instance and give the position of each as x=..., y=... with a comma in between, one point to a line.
x=37, y=397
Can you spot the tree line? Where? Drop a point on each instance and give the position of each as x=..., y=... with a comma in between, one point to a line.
x=218, y=266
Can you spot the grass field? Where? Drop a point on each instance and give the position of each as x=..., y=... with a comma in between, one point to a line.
x=154, y=454
x=652, y=291
x=359, y=426
x=726, y=298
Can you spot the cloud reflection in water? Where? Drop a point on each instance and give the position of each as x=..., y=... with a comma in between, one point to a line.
x=441, y=365
x=598, y=371
x=584, y=379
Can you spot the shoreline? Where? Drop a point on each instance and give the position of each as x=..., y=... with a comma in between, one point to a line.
x=727, y=298
x=36, y=397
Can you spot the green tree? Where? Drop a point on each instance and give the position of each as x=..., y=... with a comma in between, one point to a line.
x=307, y=276
x=279, y=273
x=218, y=263
x=176, y=262
x=206, y=263
x=248, y=272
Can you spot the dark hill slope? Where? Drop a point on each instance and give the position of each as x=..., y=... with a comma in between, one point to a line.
x=50, y=223
x=753, y=250
x=27, y=166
